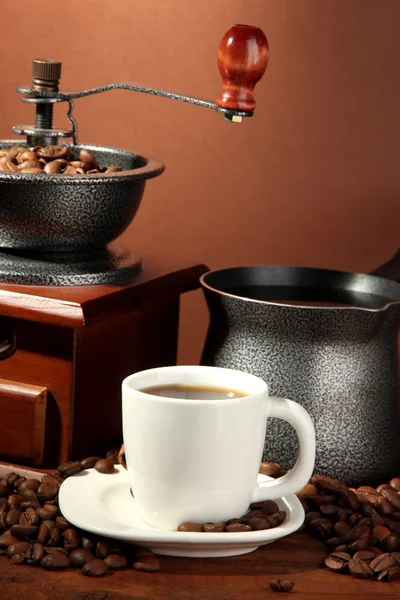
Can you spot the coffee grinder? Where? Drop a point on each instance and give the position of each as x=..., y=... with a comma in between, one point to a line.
x=76, y=310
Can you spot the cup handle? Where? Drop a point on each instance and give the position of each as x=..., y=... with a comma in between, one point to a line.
x=299, y=475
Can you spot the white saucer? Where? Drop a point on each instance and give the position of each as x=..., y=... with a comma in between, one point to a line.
x=103, y=504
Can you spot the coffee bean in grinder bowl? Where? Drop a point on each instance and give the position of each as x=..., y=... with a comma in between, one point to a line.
x=63, y=202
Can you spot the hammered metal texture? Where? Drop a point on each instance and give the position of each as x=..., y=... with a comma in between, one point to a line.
x=59, y=212
x=339, y=364
x=109, y=266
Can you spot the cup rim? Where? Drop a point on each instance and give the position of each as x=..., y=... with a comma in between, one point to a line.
x=262, y=386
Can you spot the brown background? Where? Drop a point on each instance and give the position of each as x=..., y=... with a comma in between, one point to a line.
x=312, y=179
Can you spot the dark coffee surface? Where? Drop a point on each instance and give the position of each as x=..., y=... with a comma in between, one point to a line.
x=192, y=392
x=309, y=296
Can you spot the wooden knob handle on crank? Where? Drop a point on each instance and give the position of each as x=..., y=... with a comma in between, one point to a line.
x=242, y=60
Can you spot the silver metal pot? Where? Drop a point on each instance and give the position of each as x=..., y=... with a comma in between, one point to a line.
x=326, y=339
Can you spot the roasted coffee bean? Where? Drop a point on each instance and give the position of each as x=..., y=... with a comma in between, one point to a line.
x=281, y=585
x=366, y=555
x=334, y=543
x=14, y=500
x=88, y=463
x=70, y=468
x=58, y=477
x=28, y=494
x=327, y=484
x=28, y=484
x=7, y=539
x=108, y=170
x=338, y=561
x=236, y=527
x=55, y=537
x=102, y=549
x=360, y=569
x=145, y=560
x=29, y=504
x=25, y=531
x=17, y=548
x=72, y=539
x=384, y=507
x=47, y=492
x=279, y=516
x=392, y=496
x=105, y=465
x=55, y=561
x=95, y=568
x=320, y=499
x=307, y=491
x=3, y=490
x=258, y=523
x=343, y=515
x=351, y=499
x=34, y=554
x=116, y=561
x=86, y=157
x=271, y=469
x=252, y=515
x=390, y=543
x=87, y=544
x=53, y=549
x=269, y=507
x=192, y=526
x=361, y=544
x=396, y=556
x=12, y=518
x=395, y=483
x=394, y=573
x=45, y=513
x=214, y=527
x=17, y=559
x=43, y=534
x=52, y=152
x=329, y=510
x=53, y=509
x=380, y=532
x=80, y=557
x=341, y=528
x=382, y=562
x=62, y=524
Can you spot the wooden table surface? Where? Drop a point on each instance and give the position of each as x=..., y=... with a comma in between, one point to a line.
x=297, y=557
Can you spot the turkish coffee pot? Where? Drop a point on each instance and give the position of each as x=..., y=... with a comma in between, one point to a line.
x=327, y=339
x=55, y=228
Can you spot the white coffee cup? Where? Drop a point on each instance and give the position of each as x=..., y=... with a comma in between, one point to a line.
x=198, y=460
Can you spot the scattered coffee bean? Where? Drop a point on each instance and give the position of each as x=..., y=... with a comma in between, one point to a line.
x=338, y=561
x=214, y=527
x=190, y=526
x=271, y=469
x=24, y=531
x=281, y=585
x=102, y=549
x=55, y=561
x=80, y=557
x=88, y=463
x=116, y=561
x=70, y=468
x=72, y=541
x=34, y=554
x=95, y=568
x=146, y=560
x=105, y=465
x=238, y=527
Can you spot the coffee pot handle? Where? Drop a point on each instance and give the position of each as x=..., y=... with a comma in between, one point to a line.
x=299, y=475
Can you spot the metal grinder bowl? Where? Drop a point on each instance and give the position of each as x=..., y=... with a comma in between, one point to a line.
x=53, y=213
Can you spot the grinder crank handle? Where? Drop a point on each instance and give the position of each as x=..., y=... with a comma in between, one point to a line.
x=243, y=56
x=242, y=60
